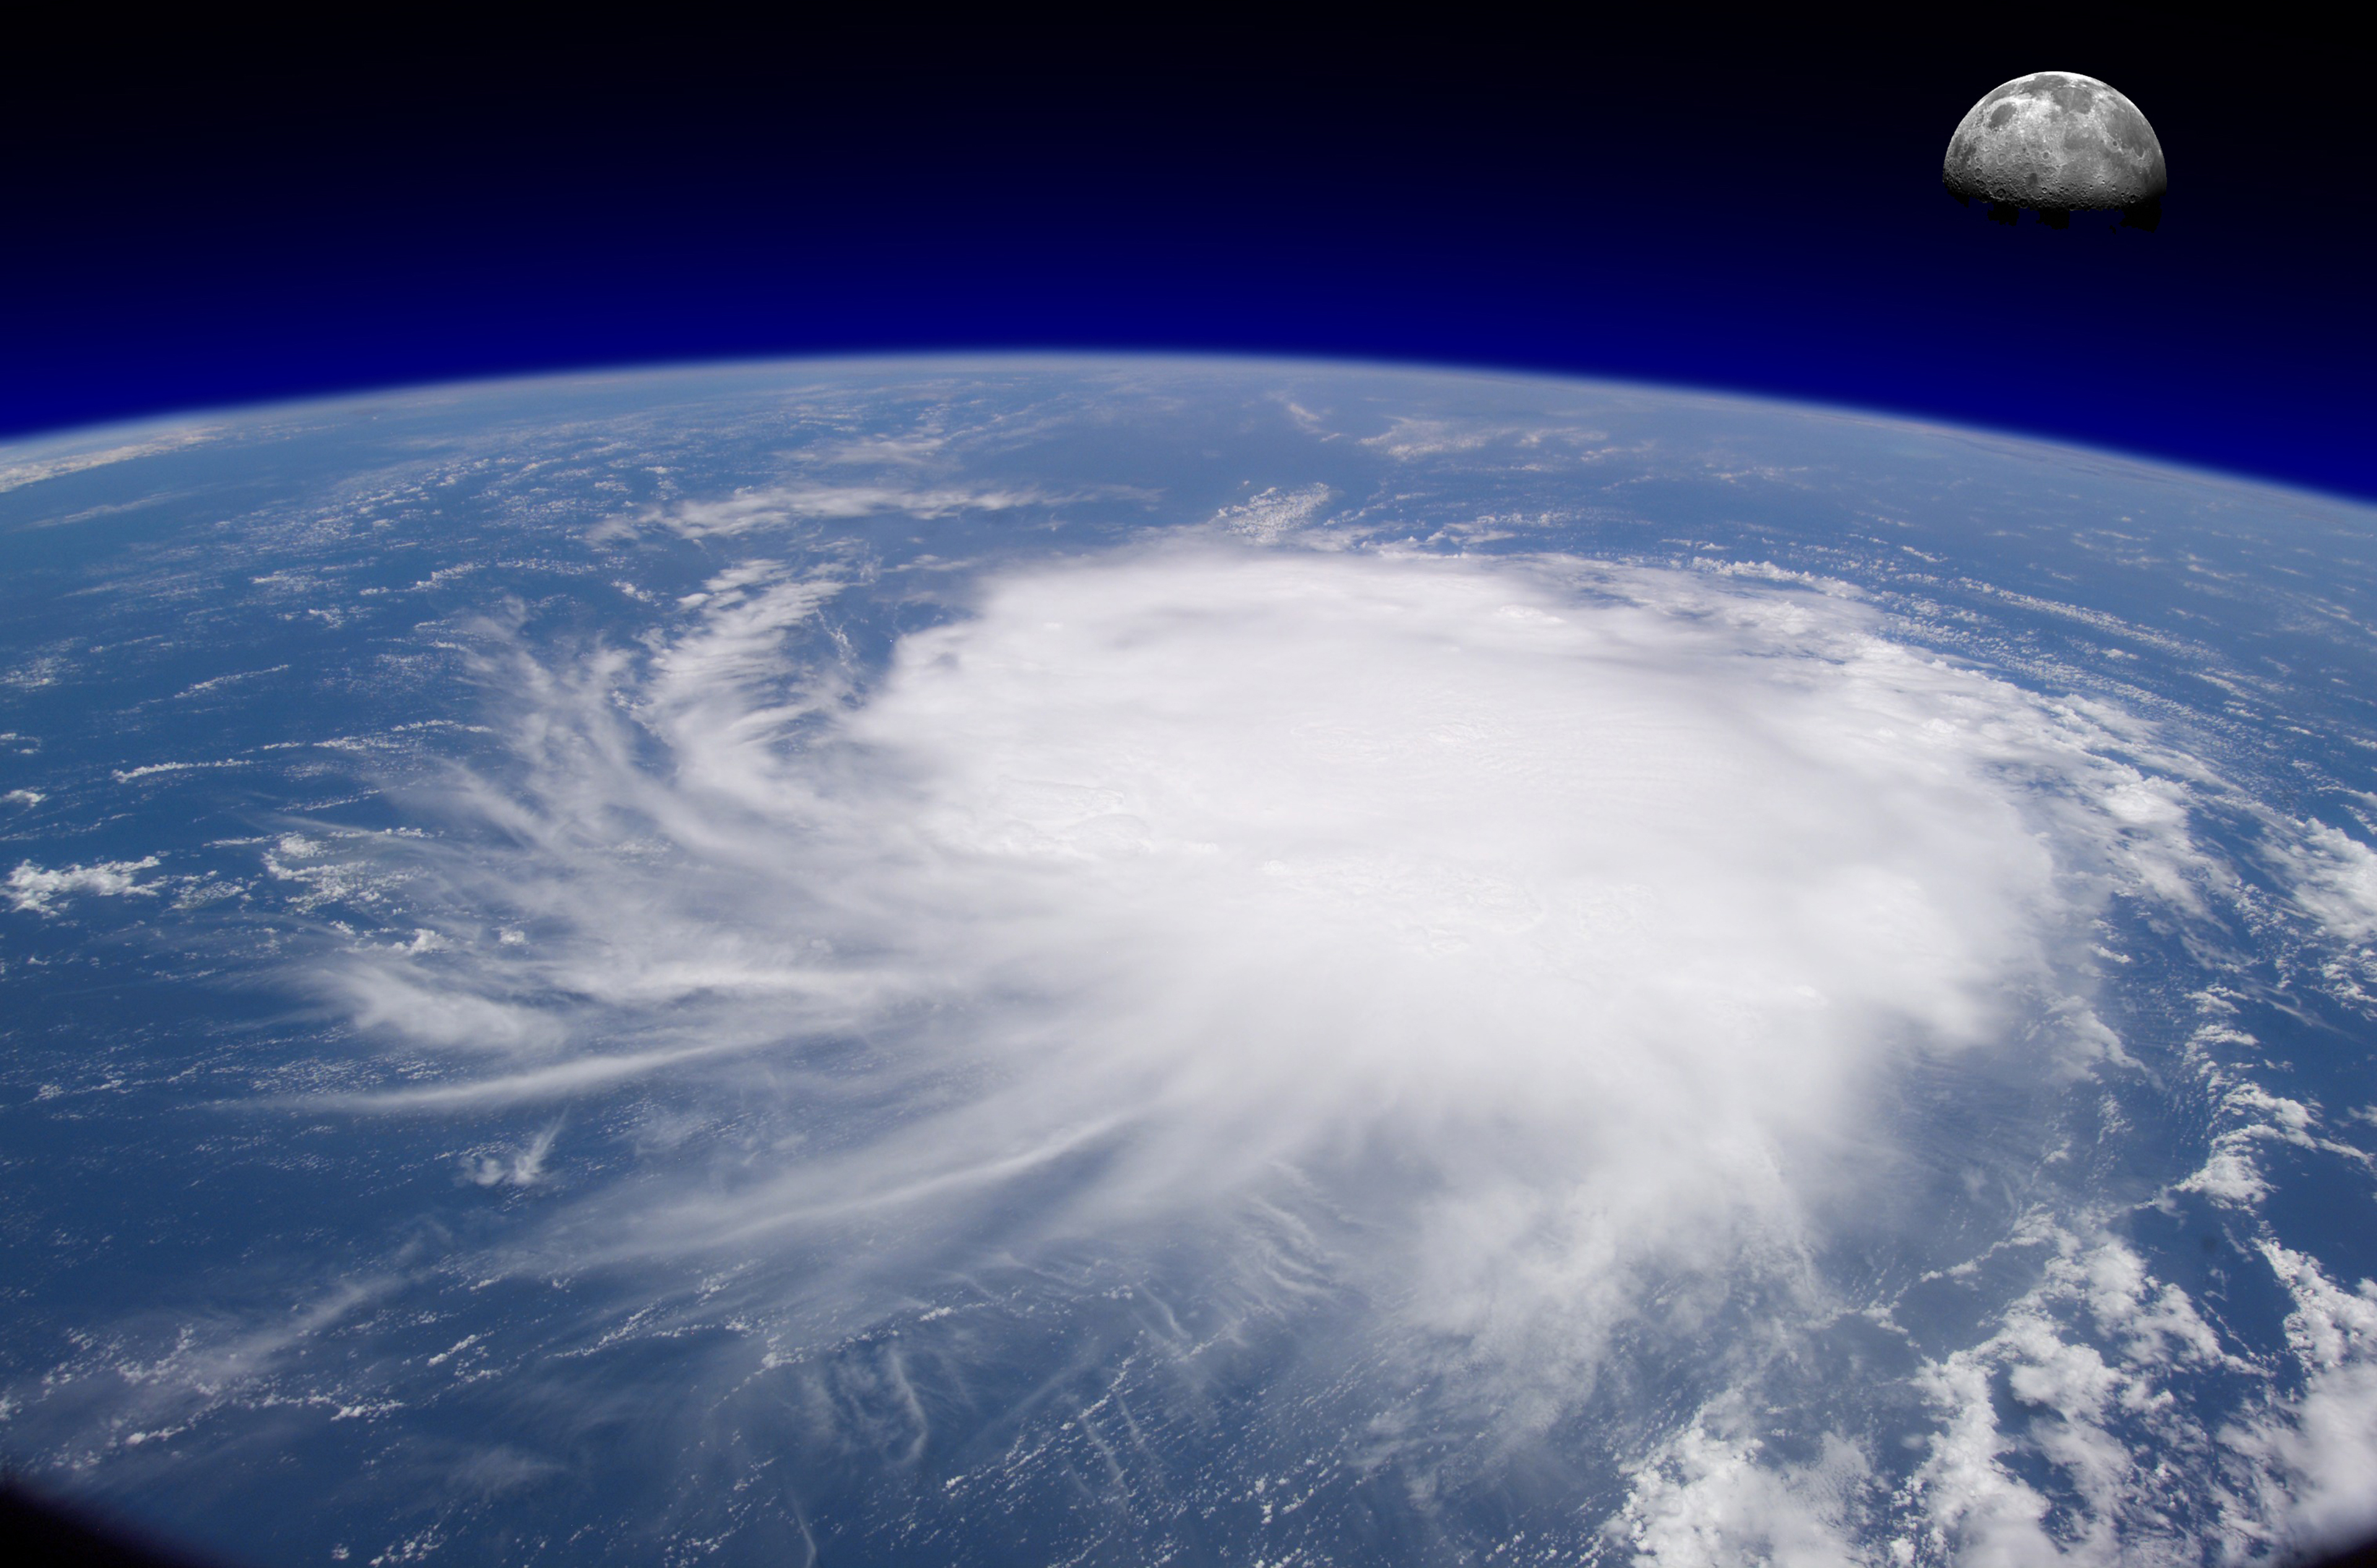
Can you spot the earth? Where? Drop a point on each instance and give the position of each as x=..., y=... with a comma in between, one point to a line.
x=1139, y=961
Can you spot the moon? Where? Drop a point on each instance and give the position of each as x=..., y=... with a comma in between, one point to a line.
x=2056, y=142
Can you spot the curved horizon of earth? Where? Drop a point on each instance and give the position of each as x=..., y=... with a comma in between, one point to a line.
x=1130, y=960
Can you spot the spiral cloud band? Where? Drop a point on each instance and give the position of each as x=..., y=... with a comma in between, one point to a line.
x=1187, y=962
x=1541, y=957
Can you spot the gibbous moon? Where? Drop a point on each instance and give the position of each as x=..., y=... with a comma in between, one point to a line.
x=2058, y=142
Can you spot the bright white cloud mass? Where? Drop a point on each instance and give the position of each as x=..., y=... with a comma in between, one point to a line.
x=1537, y=968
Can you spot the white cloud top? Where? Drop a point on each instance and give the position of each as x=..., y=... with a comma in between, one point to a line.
x=1565, y=930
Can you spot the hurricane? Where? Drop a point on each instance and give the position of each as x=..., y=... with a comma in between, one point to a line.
x=1153, y=961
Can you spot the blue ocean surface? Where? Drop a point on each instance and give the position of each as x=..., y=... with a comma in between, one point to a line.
x=1128, y=961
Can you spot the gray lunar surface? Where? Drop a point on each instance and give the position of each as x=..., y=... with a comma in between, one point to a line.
x=2055, y=140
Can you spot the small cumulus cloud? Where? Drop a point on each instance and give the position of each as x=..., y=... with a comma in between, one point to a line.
x=1707, y=1497
x=1274, y=514
x=35, y=889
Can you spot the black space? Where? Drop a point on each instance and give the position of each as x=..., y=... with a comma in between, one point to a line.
x=230, y=215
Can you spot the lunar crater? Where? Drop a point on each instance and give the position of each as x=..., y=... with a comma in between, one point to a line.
x=2056, y=142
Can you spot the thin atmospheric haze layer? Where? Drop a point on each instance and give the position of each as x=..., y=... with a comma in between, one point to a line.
x=1116, y=962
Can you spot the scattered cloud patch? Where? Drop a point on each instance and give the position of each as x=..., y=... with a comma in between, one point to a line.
x=2055, y=1431
x=1706, y=1498
x=2316, y=1485
x=2340, y=883
x=779, y=505
x=1274, y=515
x=32, y=888
x=1408, y=439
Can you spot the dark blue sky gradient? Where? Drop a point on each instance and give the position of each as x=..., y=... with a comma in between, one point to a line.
x=202, y=224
